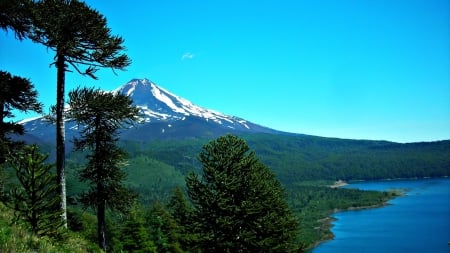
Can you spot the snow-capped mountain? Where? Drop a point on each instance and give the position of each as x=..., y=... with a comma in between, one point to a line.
x=158, y=104
x=164, y=115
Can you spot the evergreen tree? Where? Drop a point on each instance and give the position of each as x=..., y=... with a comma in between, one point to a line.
x=181, y=211
x=16, y=15
x=36, y=199
x=79, y=36
x=163, y=229
x=179, y=207
x=100, y=116
x=16, y=93
x=134, y=235
x=239, y=205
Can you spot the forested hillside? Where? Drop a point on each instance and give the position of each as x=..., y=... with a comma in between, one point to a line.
x=304, y=165
x=296, y=158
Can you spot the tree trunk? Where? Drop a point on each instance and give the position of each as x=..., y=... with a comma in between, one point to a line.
x=101, y=225
x=2, y=150
x=60, y=135
x=101, y=201
x=2, y=134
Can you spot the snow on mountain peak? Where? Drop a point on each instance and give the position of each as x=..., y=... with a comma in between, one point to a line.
x=157, y=103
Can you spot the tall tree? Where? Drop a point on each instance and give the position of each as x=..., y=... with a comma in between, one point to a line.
x=79, y=36
x=16, y=93
x=101, y=115
x=239, y=205
x=36, y=199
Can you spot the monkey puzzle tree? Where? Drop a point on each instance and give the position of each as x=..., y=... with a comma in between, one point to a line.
x=35, y=200
x=16, y=93
x=79, y=36
x=16, y=15
x=239, y=205
x=100, y=116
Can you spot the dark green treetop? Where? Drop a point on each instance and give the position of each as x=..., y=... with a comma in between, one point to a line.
x=16, y=15
x=16, y=93
x=239, y=205
x=78, y=34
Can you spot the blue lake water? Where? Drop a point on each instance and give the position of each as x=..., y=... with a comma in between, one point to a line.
x=416, y=222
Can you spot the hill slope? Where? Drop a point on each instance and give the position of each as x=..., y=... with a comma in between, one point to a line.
x=174, y=130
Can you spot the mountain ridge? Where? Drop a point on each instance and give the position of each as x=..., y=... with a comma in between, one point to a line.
x=164, y=115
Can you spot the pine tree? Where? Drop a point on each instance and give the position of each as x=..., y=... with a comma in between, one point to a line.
x=79, y=36
x=134, y=235
x=239, y=205
x=36, y=199
x=100, y=116
x=163, y=229
x=181, y=212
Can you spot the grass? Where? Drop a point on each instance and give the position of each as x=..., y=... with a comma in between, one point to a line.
x=16, y=238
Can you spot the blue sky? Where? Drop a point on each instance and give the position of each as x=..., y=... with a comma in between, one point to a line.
x=356, y=69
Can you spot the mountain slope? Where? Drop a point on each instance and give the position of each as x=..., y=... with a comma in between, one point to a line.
x=164, y=115
x=293, y=157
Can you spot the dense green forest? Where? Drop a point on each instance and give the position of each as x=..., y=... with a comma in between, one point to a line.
x=298, y=158
x=310, y=163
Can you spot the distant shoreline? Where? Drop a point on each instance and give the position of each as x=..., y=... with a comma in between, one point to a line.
x=327, y=222
x=338, y=183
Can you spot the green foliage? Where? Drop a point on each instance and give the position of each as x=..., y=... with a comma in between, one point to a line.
x=314, y=204
x=301, y=163
x=17, y=238
x=35, y=200
x=239, y=205
x=102, y=115
x=153, y=179
x=181, y=211
x=16, y=93
x=16, y=15
x=163, y=229
x=299, y=158
x=79, y=34
x=134, y=235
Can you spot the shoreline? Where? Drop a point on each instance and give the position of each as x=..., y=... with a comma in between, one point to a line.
x=417, y=192
x=327, y=221
x=338, y=183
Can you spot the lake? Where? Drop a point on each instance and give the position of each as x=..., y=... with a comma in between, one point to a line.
x=416, y=222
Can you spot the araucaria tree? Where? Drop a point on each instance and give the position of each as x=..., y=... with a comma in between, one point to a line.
x=15, y=15
x=100, y=116
x=36, y=199
x=239, y=205
x=79, y=36
x=16, y=93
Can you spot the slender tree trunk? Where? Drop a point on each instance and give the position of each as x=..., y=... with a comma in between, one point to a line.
x=101, y=201
x=2, y=133
x=60, y=135
x=101, y=225
x=2, y=150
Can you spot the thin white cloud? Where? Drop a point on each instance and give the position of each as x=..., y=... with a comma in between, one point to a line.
x=187, y=56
